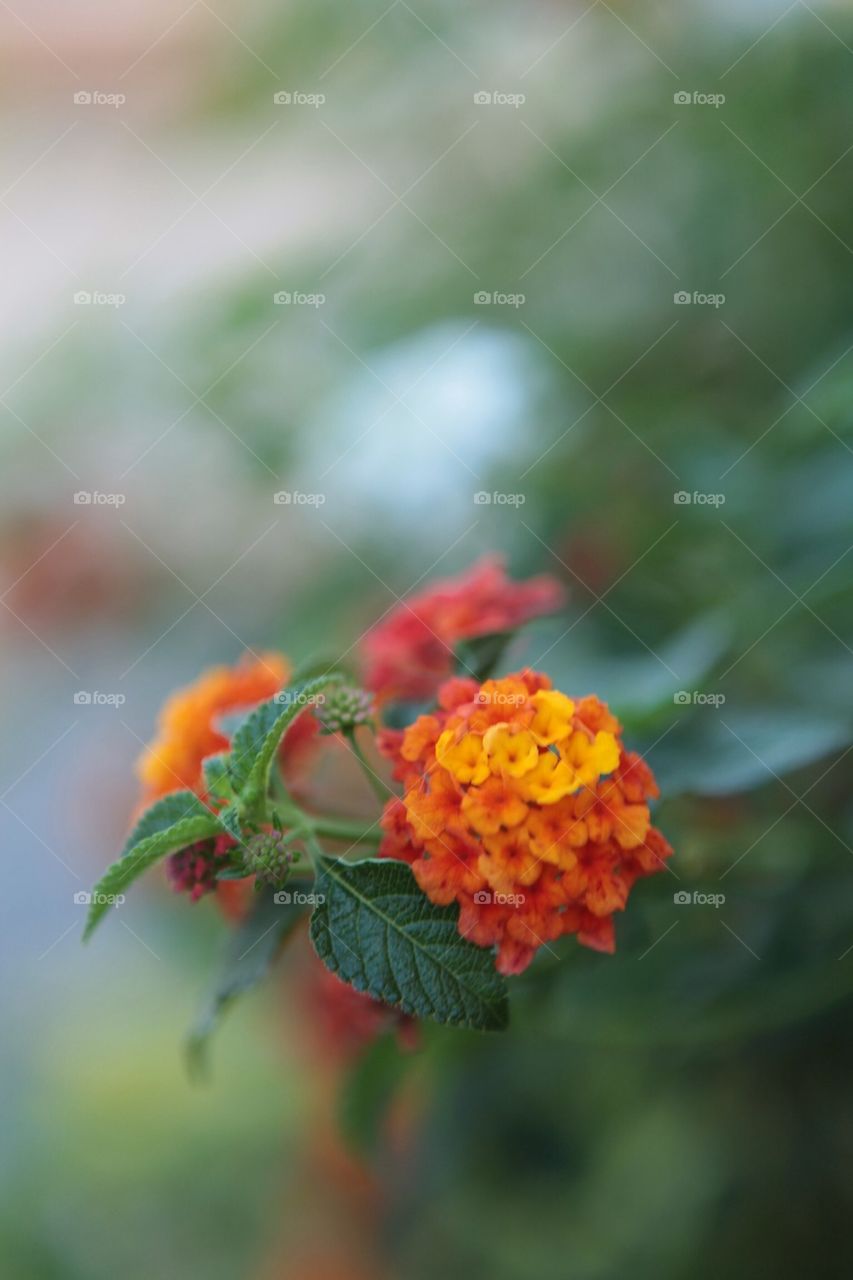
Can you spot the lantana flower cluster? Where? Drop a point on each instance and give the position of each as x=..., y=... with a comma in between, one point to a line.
x=518, y=803
x=523, y=806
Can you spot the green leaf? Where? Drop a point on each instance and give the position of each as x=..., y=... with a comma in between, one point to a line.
x=256, y=741
x=368, y=1091
x=230, y=819
x=248, y=957
x=311, y=668
x=142, y=855
x=377, y=931
x=164, y=813
x=216, y=780
x=478, y=656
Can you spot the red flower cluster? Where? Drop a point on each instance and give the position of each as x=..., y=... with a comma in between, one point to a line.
x=193, y=870
x=523, y=806
x=410, y=652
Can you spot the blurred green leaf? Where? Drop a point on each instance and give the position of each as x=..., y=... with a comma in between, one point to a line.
x=368, y=1091
x=642, y=682
x=478, y=656
x=248, y=957
x=717, y=752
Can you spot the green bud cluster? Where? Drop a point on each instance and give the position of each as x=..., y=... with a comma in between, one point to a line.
x=344, y=709
x=267, y=857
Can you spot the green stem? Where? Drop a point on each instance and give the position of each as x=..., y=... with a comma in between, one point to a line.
x=380, y=790
x=320, y=825
x=341, y=829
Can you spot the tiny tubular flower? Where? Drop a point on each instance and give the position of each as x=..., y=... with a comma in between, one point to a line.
x=511, y=750
x=550, y=780
x=553, y=718
x=463, y=757
x=523, y=806
x=494, y=805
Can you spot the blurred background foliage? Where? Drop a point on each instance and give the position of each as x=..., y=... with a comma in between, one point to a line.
x=684, y=1104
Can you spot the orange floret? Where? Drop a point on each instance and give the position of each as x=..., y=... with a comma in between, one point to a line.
x=523, y=806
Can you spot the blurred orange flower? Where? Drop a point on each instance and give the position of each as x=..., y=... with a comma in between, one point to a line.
x=190, y=728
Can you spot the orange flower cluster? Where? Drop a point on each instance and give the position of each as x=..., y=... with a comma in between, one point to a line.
x=410, y=652
x=189, y=724
x=523, y=806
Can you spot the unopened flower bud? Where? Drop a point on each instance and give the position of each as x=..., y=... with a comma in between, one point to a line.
x=344, y=709
x=267, y=858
